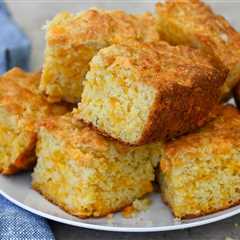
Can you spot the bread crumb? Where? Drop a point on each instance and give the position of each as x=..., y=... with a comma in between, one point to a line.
x=141, y=204
x=177, y=221
x=137, y=206
x=128, y=212
x=110, y=219
x=110, y=216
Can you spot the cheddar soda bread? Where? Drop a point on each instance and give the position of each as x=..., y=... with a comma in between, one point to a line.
x=193, y=23
x=138, y=93
x=200, y=172
x=72, y=41
x=88, y=174
x=20, y=111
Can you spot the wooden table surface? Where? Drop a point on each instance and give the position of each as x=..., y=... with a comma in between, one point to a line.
x=32, y=15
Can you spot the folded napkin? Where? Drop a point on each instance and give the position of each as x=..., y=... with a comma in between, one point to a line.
x=14, y=45
x=18, y=224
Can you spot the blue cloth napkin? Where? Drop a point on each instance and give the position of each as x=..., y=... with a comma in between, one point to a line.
x=15, y=47
x=3, y=8
x=19, y=224
x=16, y=223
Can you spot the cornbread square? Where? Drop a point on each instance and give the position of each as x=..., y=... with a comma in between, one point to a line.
x=200, y=172
x=72, y=41
x=193, y=23
x=140, y=92
x=20, y=111
x=87, y=174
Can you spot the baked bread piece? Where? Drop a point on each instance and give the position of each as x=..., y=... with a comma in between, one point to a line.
x=138, y=93
x=25, y=80
x=200, y=172
x=21, y=109
x=236, y=94
x=193, y=23
x=87, y=174
x=72, y=41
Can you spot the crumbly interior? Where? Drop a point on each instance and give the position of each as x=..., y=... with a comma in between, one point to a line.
x=64, y=70
x=88, y=182
x=14, y=140
x=200, y=171
x=114, y=101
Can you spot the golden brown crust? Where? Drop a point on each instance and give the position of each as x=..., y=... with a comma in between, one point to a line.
x=19, y=91
x=84, y=28
x=223, y=129
x=88, y=135
x=26, y=80
x=63, y=128
x=185, y=109
x=191, y=22
x=162, y=65
x=20, y=100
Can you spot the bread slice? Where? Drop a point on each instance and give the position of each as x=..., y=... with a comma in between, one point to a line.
x=87, y=174
x=138, y=93
x=72, y=41
x=21, y=109
x=200, y=172
x=193, y=23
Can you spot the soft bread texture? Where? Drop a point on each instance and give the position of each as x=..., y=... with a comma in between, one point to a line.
x=138, y=92
x=72, y=41
x=193, y=23
x=200, y=172
x=21, y=109
x=89, y=175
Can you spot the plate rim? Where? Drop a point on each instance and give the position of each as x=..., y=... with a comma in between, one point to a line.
x=121, y=229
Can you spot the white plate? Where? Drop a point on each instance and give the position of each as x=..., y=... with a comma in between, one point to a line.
x=157, y=218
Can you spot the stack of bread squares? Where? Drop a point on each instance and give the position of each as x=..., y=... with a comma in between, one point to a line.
x=193, y=23
x=72, y=41
x=21, y=111
x=149, y=91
